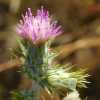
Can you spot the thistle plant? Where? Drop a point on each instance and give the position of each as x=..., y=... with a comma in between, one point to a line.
x=37, y=33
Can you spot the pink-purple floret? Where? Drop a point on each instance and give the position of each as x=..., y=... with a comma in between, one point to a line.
x=39, y=27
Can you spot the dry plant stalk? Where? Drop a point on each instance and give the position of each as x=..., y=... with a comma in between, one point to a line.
x=65, y=51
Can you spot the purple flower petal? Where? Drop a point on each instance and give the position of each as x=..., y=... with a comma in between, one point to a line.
x=39, y=27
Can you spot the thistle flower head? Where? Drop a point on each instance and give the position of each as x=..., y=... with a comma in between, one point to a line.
x=62, y=79
x=39, y=27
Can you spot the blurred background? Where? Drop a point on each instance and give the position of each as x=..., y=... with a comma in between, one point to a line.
x=79, y=44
